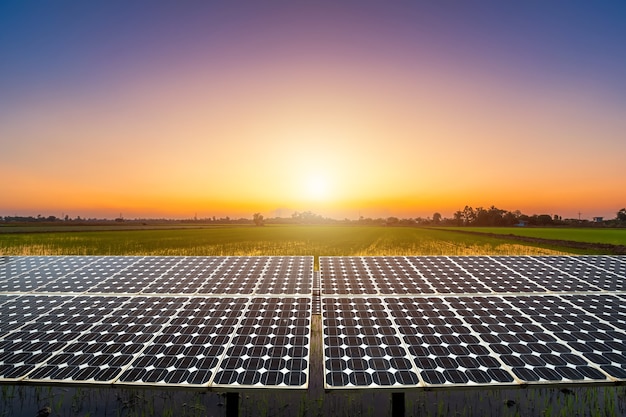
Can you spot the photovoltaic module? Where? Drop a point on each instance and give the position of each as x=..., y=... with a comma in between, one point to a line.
x=472, y=321
x=159, y=321
x=245, y=322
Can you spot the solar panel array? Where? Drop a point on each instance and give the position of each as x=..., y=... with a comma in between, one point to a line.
x=180, y=321
x=396, y=322
x=473, y=320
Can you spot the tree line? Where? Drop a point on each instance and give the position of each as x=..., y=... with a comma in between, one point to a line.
x=469, y=216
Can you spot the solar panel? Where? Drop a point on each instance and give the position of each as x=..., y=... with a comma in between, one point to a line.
x=13, y=266
x=270, y=347
x=556, y=273
x=482, y=321
x=60, y=320
x=362, y=347
x=187, y=350
x=245, y=322
x=496, y=276
x=151, y=320
x=187, y=277
x=444, y=347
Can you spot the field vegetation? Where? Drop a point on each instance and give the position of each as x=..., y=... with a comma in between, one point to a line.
x=613, y=236
x=268, y=241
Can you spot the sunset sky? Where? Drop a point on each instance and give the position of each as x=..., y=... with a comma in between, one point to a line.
x=343, y=108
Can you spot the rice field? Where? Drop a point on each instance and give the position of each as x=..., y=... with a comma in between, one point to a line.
x=613, y=236
x=270, y=240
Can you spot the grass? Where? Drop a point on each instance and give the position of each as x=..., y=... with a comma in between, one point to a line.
x=267, y=241
x=589, y=235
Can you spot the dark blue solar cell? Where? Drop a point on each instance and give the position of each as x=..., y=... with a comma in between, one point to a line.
x=337, y=379
x=383, y=378
x=500, y=375
x=526, y=374
x=433, y=377
x=360, y=378
x=467, y=362
x=614, y=371
x=478, y=376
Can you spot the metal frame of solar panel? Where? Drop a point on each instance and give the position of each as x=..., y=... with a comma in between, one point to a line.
x=240, y=322
x=463, y=321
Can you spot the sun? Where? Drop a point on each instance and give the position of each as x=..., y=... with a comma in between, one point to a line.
x=317, y=187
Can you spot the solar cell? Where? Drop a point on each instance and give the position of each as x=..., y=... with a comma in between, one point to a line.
x=525, y=333
x=50, y=332
x=16, y=311
x=345, y=275
x=30, y=275
x=395, y=275
x=133, y=276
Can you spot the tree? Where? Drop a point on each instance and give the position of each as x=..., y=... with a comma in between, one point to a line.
x=469, y=215
x=392, y=220
x=621, y=215
x=437, y=218
x=258, y=219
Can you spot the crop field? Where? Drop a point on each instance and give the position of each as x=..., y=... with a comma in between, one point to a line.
x=268, y=241
x=589, y=235
x=24, y=400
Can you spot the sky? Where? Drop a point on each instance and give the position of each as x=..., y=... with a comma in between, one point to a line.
x=346, y=109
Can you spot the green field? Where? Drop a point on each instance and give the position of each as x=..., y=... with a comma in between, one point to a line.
x=269, y=240
x=590, y=235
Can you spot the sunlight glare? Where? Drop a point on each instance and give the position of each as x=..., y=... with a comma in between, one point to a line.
x=317, y=187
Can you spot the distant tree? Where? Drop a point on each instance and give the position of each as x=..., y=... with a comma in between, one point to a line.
x=509, y=219
x=621, y=215
x=437, y=218
x=258, y=219
x=544, y=219
x=392, y=220
x=469, y=215
x=458, y=218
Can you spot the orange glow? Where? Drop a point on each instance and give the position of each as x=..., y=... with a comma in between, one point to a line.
x=276, y=125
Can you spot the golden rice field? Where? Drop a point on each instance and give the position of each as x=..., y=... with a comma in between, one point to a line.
x=270, y=240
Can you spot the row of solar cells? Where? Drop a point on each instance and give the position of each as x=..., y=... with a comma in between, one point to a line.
x=161, y=341
x=157, y=275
